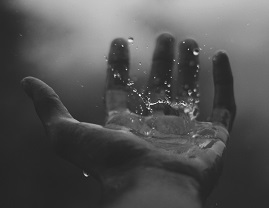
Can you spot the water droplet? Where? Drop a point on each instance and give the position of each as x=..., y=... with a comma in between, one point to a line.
x=165, y=82
x=196, y=51
x=140, y=63
x=85, y=174
x=106, y=58
x=130, y=83
x=195, y=136
x=174, y=60
x=189, y=92
x=117, y=75
x=169, y=85
x=147, y=133
x=131, y=40
x=122, y=46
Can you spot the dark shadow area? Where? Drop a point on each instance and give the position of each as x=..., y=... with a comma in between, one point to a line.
x=31, y=174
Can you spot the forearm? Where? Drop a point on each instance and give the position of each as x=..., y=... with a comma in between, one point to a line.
x=151, y=187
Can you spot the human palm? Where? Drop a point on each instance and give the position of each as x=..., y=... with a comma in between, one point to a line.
x=165, y=135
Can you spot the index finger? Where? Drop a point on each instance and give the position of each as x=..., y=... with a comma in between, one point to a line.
x=224, y=107
x=117, y=76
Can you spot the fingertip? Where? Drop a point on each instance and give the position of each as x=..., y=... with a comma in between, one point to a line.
x=47, y=103
x=189, y=46
x=164, y=47
x=166, y=38
x=37, y=90
x=221, y=68
x=119, y=41
x=119, y=51
x=27, y=85
x=220, y=56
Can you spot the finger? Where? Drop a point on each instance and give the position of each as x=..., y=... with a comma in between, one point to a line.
x=117, y=76
x=188, y=69
x=159, y=83
x=224, y=107
x=47, y=103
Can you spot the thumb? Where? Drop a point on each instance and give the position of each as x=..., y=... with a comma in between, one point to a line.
x=47, y=103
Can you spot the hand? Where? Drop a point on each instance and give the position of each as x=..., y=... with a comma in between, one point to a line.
x=165, y=138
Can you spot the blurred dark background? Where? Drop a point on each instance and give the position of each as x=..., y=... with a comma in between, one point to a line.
x=64, y=43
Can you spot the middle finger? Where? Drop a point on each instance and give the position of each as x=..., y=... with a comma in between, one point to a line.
x=159, y=83
x=188, y=69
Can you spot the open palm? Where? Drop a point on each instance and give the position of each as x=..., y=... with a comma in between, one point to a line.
x=164, y=136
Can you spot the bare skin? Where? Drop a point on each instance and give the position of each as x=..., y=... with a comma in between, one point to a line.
x=160, y=159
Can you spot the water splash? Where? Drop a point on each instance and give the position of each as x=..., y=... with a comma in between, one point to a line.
x=188, y=106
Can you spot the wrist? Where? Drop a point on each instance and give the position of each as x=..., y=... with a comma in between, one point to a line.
x=150, y=187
